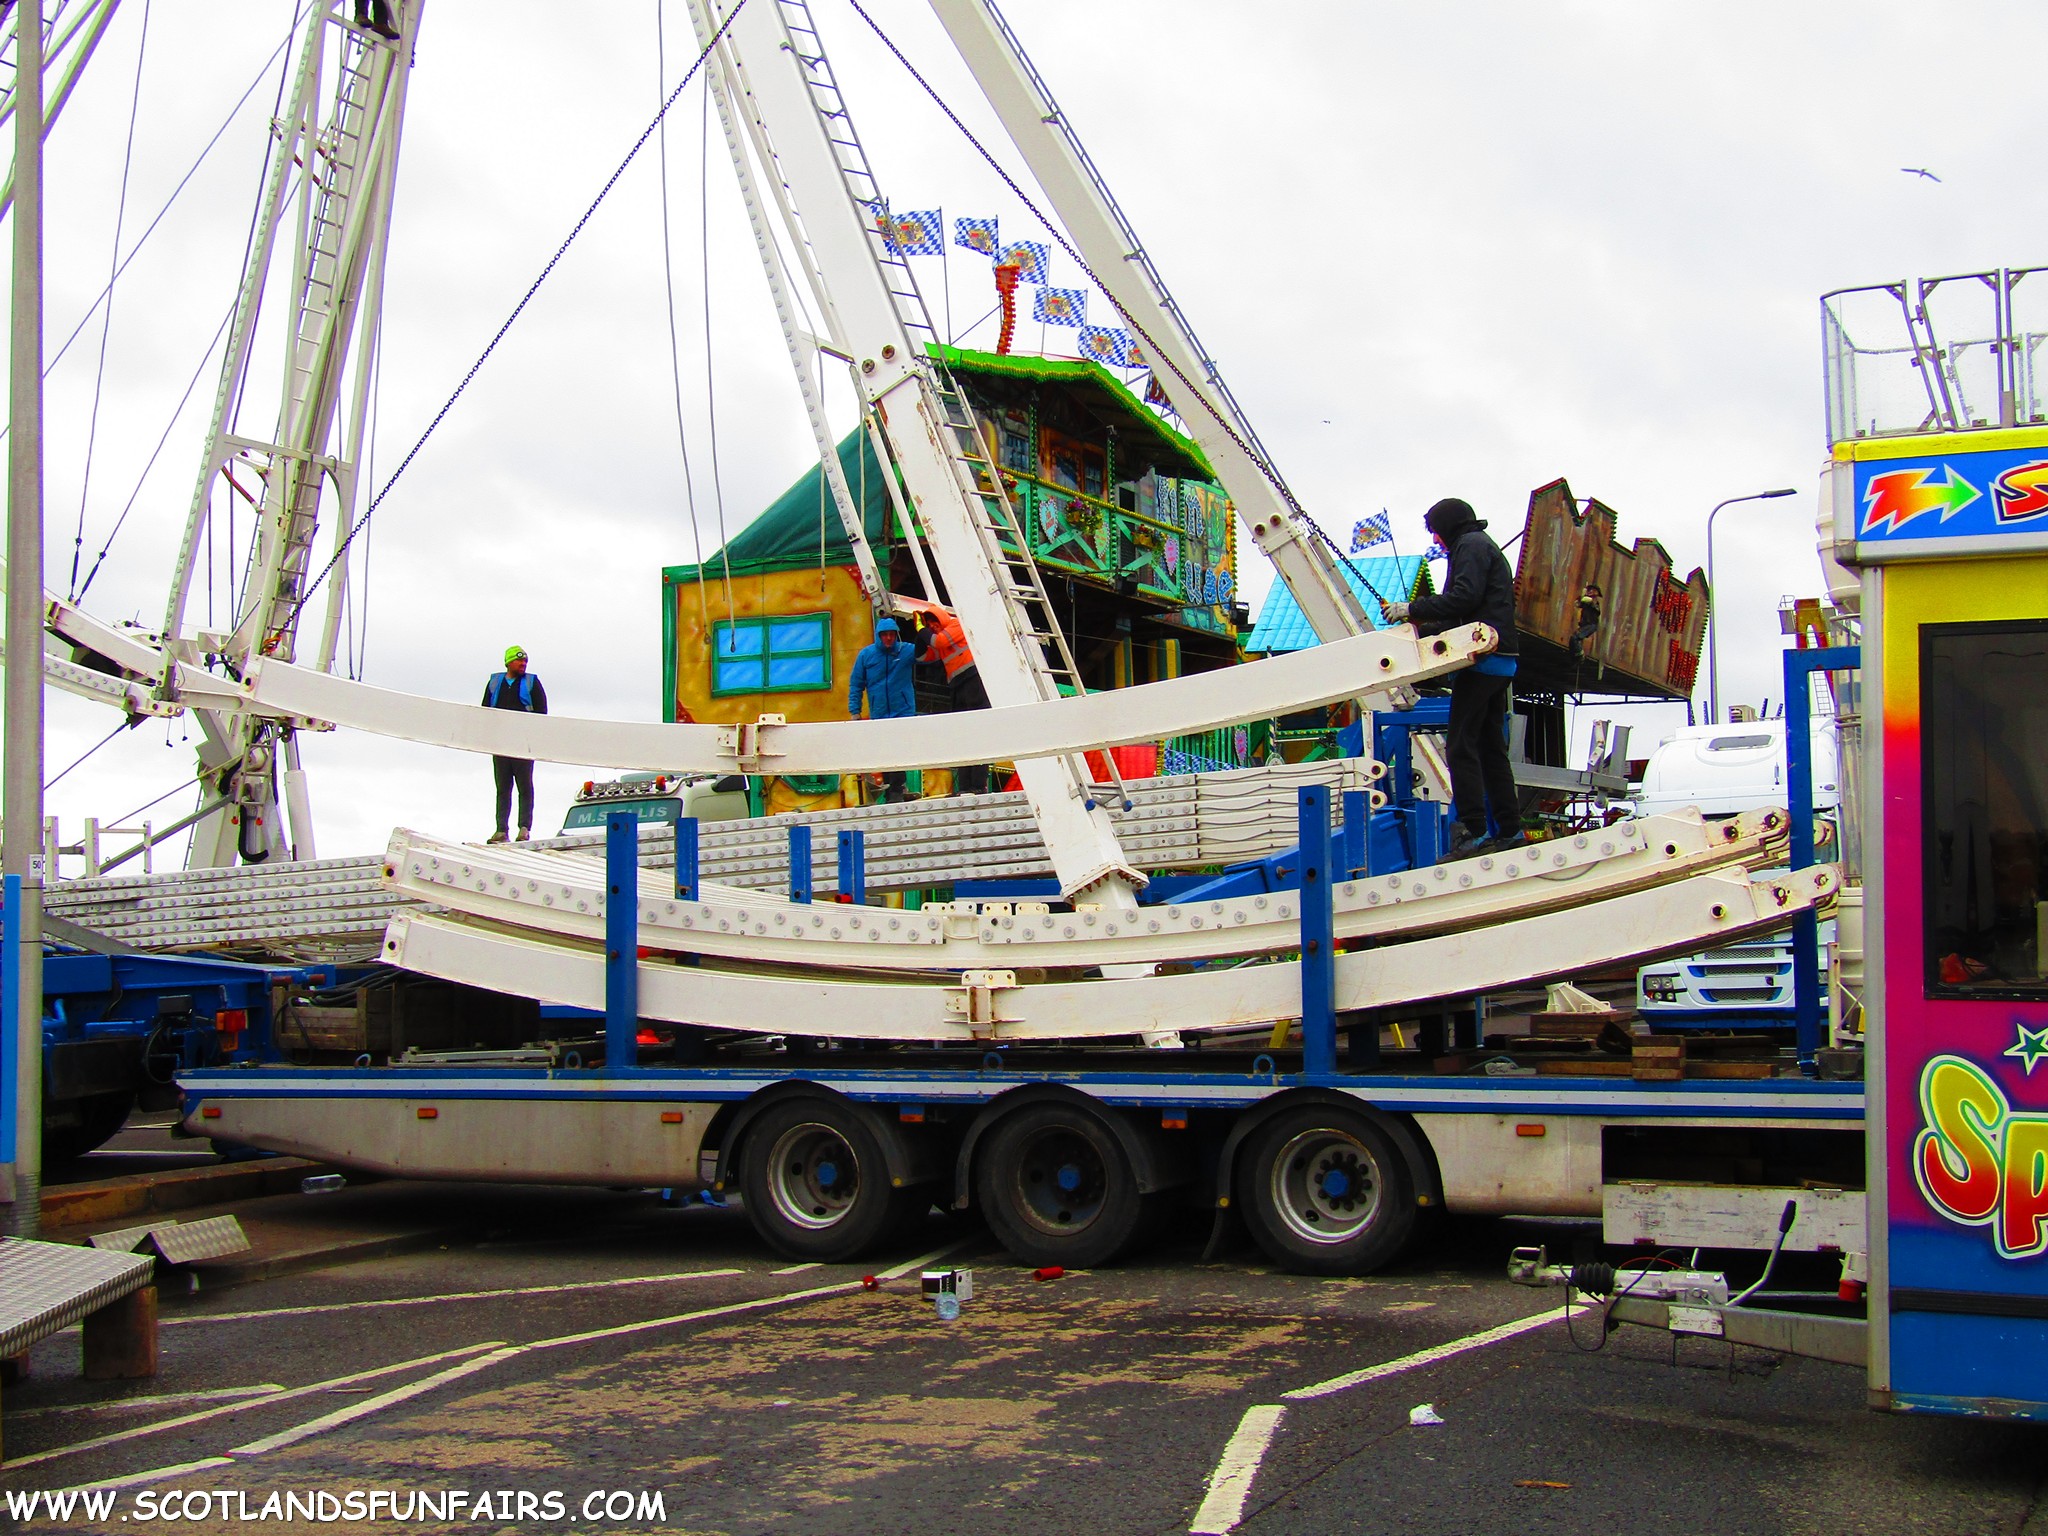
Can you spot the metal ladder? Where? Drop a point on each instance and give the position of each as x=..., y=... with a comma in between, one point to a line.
x=340, y=147
x=1006, y=552
x=861, y=185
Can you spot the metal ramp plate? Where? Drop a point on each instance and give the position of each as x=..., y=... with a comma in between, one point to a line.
x=46, y=1287
x=178, y=1242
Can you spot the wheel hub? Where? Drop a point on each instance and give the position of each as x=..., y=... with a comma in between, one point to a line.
x=1326, y=1186
x=814, y=1177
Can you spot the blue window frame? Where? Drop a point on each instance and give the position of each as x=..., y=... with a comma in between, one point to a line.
x=779, y=653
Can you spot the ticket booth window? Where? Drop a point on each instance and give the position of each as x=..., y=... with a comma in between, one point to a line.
x=1984, y=734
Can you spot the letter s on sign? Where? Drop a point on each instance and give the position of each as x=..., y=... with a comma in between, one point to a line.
x=2023, y=1221
x=1956, y=1157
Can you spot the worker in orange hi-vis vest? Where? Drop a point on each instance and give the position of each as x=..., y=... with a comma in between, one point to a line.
x=948, y=645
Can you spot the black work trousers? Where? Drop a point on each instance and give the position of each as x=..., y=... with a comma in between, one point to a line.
x=511, y=771
x=968, y=693
x=1481, y=778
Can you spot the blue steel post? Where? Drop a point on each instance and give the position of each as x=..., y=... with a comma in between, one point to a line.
x=1318, y=954
x=853, y=866
x=10, y=1017
x=799, y=863
x=686, y=859
x=1357, y=810
x=1799, y=669
x=621, y=941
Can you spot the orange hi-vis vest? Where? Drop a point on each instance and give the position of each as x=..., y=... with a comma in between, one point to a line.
x=949, y=644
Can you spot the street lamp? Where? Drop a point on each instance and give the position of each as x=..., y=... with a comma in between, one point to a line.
x=1714, y=602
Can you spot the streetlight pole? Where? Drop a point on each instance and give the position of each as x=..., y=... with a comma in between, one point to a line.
x=1714, y=601
x=21, y=770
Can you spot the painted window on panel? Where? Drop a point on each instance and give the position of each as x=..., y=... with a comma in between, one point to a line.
x=778, y=653
x=1984, y=788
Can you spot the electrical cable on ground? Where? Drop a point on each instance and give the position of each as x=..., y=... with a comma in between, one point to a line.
x=1155, y=351
x=99, y=378
x=348, y=539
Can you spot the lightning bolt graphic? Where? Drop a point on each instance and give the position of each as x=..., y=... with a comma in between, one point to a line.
x=1894, y=499
x=2022, y=492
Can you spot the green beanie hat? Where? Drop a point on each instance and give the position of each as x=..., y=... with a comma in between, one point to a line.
x=514, y=653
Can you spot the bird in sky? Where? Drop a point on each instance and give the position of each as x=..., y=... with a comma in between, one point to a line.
x=1914, y=170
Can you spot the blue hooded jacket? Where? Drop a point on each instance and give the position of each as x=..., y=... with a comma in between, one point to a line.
x=886, y=676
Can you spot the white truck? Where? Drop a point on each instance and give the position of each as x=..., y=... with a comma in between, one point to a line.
x=1724, y=770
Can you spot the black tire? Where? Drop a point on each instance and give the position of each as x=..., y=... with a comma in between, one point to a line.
x=1325, y=1191
x=100, y=1115
x=1056, y=1187
x=816, y=1181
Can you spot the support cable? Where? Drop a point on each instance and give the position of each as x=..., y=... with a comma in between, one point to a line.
x=169, y=427
x=88, y=752
x=675, y=348
x=710, y=373
x=99, y=377
x=227, y=122
x=1155, y=351
x=280, y=629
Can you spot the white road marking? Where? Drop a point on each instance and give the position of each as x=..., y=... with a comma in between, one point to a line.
x=163, y=1400
x=370, y=1405
x=497, y=1349
x=1424, y=1357
x=154, y=1475
x=417, y=1301
x=795, y=1269
x=1231, y=1483
x=179, y=1422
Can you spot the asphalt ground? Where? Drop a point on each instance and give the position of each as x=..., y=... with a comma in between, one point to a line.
x=662, y=1351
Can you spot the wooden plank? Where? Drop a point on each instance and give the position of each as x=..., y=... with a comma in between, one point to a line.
x=1587, y=1066
x=120, y=1339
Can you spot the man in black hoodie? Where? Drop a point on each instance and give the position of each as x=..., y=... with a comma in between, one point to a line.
x=1479, y=588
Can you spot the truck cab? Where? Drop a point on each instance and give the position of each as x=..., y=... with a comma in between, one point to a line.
x=661, y=797
x=1724, y=770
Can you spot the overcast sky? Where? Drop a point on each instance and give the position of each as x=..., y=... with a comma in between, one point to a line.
x=1437, y=250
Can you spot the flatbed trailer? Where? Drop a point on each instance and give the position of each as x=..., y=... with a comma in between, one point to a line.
x=1071, y=1157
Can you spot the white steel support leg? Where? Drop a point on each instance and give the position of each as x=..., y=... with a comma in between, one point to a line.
x=891, y=376
x=802, y=347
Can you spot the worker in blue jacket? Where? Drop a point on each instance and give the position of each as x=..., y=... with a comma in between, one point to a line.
x=514, y=688
x=885, y=672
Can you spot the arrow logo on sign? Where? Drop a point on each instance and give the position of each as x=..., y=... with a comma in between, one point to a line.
x=1895, y=498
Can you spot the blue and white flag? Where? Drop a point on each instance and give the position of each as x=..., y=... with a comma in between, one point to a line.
x=1031, y=258
x=1105, y=344
x=976, y=235
x=1061, y=306
x=921, y=234
x=1369, y=531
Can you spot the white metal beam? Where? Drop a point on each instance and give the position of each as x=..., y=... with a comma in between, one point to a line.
x=1020, y=732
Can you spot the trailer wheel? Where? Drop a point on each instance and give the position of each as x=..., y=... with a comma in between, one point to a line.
x=99, y=1117
x=1326, y=1192
x=816, y=1182
x=1056, y=1187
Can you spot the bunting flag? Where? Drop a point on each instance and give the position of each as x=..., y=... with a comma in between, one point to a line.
x=1060, y=306
x=1031, y=258
x=1366, y=532
x=885, y=224
x=1103, y=344
x=976, y=235
x=920, y=234
x=1155, y=394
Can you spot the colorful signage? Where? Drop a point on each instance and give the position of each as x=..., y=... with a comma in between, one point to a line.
x=1938, y=499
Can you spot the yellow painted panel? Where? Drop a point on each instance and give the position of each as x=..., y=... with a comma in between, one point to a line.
x=1949, y=592
x=834, y=590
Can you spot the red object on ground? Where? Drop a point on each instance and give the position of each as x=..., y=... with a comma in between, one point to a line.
x=1850, y=1290
x=1050, y=1272
x=870, y=1283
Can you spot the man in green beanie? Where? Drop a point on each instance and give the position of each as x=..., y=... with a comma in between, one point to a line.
x=514, y=688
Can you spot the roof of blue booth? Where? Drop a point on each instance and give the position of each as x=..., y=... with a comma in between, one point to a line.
x=1283, y=627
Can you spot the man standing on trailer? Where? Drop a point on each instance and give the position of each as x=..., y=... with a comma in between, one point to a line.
x=1479, y=588
x=886, y=672
x=514, y=688
x=948, y=643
